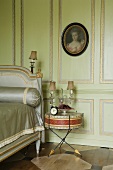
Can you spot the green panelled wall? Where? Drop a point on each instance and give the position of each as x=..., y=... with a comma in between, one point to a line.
x=28, y=25
x=6, y=32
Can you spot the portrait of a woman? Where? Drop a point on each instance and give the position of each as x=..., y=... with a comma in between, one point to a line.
x=77, y=41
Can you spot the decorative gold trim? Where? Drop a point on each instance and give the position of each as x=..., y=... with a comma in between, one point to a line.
x=24, y=96
x=92, y=47
x=18, y=135
x=18, y=68
x=28, y=140
x=102, y=39
x=51, y=152
x=93, y=38
x=51, y=42
x=74, y=127
x=102, y=132
x=59, y=38
x=13, y=32
x=91, y=102
x=95, y=91
x=28, y=137
x=102, y=22
x=85, y=91
x=17, y=75
x=22, y=33
x=39, y=74
x=100, y=120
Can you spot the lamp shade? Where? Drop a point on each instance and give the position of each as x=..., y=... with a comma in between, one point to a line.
x=33, y=55
x=70, y=85
x=52, y=86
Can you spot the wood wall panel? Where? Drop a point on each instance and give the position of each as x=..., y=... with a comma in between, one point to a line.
x=106, y=75
x=7, y=32
x=28, y=25
x=86, y=106
x=80, y=68
x=106, y=114
x=37, y=34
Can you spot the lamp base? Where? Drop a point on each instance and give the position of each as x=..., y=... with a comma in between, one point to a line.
x=32, y=66
x=32, y=69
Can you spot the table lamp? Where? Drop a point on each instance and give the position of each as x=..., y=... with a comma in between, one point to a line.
x=52, y=87
x=70, y=87
x=33, y=57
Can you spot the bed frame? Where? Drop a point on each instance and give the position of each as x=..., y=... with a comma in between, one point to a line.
x=17, y=76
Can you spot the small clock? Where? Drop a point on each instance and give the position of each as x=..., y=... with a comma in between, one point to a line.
x=54, y=110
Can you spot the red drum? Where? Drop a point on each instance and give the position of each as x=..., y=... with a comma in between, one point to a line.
x=64, y=121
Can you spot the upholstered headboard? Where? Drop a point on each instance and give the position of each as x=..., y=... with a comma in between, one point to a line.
x=17, y=76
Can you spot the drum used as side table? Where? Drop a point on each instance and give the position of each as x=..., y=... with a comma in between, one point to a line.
x=69, y=121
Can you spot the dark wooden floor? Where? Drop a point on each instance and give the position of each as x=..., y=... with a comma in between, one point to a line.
x=96, y=156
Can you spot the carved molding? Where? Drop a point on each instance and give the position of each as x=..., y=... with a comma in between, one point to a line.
x=51, y=42
x=92, y=39
x=102, y=46
x=91, y=102
x=22, y=33
x=13, y=32
x=102, y=113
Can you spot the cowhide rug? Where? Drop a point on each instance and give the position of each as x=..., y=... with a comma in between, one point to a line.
x=61, y=162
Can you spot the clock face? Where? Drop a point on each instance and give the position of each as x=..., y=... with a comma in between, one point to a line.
x=54, y=110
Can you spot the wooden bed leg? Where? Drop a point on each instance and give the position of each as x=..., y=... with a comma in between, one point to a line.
x=37, y=147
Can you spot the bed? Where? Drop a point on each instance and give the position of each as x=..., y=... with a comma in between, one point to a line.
x=21, y=110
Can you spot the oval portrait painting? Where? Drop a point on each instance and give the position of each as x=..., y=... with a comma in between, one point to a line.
x=75, y=39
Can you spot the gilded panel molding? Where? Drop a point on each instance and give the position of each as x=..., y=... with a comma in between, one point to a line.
x=17, y=71
x=89, y=91
x=22, y=33
x=92, y=39
x=91, y=103
x=102, y=113
x=50, y=43
x=13, y=32
x=50, y=40
x=95, y=91
x=102, y=41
